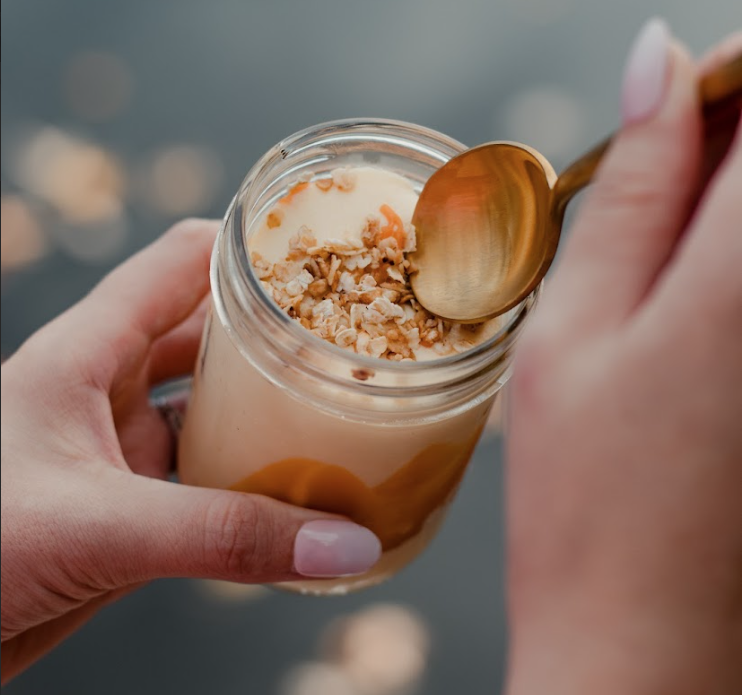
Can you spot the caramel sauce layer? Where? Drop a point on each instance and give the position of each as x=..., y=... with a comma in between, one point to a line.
x=395, y=510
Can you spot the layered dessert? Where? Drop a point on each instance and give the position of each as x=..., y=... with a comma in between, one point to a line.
x=332, y=254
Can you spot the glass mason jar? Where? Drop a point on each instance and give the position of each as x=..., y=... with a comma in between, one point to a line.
x=277, y=411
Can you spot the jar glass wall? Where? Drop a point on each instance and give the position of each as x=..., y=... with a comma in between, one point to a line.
x=276, y=410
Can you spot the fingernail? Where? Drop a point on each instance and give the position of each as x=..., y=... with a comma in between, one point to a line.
x=645, y=74
x=328, y=548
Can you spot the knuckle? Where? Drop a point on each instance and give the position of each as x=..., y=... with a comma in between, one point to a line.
x=232, y=536
x=649, y=172
x=619, y=190
x=45, y=356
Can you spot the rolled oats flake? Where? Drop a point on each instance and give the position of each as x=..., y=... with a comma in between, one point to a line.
x=344, y=179
x=346, y=337
x=377, y=346
x=346, y=283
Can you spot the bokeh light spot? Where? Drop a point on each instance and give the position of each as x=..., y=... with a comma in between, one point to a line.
x=99, y=242
x=317, y=678
x=383, y=649
x=82, y=181
x=183, y=180
x=546, y=118
x=21, y=233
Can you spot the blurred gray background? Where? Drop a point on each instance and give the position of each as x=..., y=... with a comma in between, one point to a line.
x=119, y=118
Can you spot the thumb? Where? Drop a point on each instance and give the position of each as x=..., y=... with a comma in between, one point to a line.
x=643, y=191
x=164, y=529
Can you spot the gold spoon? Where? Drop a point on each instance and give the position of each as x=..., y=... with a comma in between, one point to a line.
x=489, y=220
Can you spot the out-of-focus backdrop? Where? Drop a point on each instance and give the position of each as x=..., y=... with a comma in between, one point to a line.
x=119, y=118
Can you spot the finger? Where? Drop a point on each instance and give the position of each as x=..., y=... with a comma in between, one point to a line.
x=142, y=299
x=643, y=191
x=174, y=354
x=705, y=284
x=168, y=530
x=148, y=443
x=719, y=131
x=721, y=53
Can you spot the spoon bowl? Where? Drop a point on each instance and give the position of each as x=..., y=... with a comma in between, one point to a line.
x=467, y=269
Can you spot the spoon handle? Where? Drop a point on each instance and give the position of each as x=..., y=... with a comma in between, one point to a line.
x=721, y=97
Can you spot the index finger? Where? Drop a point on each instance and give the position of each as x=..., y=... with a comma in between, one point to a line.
x=704, y=282
x=145, y=297
x=721, y=53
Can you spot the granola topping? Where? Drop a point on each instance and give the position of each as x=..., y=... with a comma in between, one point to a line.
x=355, y=292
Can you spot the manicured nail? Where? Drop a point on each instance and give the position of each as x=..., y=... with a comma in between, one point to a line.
x=645, y=74
x=334, y=549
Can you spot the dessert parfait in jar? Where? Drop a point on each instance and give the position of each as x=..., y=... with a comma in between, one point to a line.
x=321, y=381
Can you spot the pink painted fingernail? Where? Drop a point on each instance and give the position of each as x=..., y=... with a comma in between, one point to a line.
x=328, y=548
x=645, y=74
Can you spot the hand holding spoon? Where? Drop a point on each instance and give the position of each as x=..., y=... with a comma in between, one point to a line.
x=488, y=221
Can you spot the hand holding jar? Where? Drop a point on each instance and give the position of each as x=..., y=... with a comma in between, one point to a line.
x=87, y=512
